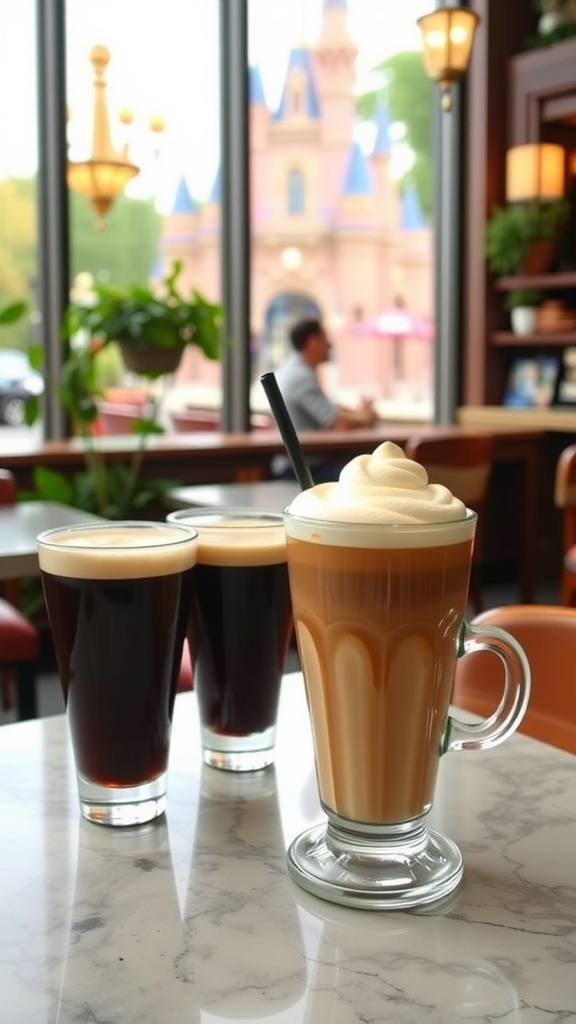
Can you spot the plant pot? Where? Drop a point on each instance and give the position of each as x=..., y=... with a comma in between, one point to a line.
x=539, y=257
x=149, y=361
x=523, y=319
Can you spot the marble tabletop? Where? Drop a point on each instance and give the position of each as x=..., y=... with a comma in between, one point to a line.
x=194, y=919
x=21, y=523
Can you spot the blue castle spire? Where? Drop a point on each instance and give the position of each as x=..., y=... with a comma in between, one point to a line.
x=411, y=217
x=358, y=180
x=300, y=59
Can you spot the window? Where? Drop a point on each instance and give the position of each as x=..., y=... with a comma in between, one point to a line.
x=295, y=192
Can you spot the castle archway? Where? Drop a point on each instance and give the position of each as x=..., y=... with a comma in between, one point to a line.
x=282, y=312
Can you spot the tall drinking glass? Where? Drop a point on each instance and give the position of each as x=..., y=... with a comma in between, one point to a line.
x=117, y=596
x=239, y=628
x=379, y=618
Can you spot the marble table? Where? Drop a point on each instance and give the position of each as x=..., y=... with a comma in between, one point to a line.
x=195, y=920
x=21, y=523
x=271, y=495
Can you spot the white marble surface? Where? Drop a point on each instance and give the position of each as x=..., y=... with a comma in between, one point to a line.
x=194, y=919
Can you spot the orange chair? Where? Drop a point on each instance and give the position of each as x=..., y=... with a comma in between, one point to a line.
x=565, y=498
x=462, y=462
x=548, y=635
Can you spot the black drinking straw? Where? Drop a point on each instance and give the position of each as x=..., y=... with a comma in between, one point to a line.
x=287, y=430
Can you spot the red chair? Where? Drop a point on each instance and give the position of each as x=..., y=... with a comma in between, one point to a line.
x=19, y=646
x=19, y=639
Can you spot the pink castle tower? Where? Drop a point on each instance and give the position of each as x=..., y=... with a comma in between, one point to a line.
x=332, y=235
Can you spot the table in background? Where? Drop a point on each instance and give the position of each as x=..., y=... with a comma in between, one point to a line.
x=21, y=523
x=194, y=918
x=268, y=495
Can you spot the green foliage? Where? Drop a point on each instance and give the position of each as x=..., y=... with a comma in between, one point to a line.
x=408, y=94
x=164, y=318
x=511, y=229
x=523, y=297
x=13, y=312
x=151, y=320
x=126, y=247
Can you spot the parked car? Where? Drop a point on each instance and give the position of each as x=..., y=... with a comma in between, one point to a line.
x=18, y=381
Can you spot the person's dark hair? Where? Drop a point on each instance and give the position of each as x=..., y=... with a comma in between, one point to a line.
x=303, y=330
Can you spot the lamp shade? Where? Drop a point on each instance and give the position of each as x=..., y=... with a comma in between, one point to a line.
x=535, y=171
x=447, y=37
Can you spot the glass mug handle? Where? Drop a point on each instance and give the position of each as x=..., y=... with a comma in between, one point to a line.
x=506, y=717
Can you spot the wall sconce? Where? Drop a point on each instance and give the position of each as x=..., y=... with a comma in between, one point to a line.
x=447, y=37
x=535, y=171
x=107, y=171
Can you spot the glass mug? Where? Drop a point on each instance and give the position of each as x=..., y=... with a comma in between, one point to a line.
x=379, y=619
x=117, y=596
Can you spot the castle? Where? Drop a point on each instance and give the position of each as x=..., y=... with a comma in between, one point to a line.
x=332, y=236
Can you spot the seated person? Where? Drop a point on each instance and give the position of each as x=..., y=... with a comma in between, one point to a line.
x=308, y=405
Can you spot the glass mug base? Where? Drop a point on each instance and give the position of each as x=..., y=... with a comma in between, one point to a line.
x=382, y=869
x=122, y=805
x=249, y=753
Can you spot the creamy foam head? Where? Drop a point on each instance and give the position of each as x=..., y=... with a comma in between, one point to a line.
x=236, y=540
x=117, y=550
x=384, y=489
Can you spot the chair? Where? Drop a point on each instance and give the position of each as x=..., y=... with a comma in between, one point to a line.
x=9, y=591
x=19, y=647
x=462, y=462
x=565, y=498
x=548, y=635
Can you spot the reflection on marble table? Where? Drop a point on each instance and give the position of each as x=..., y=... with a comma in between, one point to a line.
x=194, y=918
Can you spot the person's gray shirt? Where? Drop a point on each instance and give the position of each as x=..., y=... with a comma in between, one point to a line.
x=309, y=407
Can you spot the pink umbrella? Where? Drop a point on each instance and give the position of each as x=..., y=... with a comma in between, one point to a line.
x=396, y=324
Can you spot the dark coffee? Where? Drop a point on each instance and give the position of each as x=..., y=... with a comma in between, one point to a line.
x=118, y=644
x=240, y=626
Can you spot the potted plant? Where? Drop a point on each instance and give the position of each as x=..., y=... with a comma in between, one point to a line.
x=523, y=304
x=520, y=238
x=557, y=19
x=152, y=327
x=152, y=322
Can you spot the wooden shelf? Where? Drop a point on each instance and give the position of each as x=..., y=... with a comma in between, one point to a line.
x=563, y=279
x=508, y=339
x=495, y=416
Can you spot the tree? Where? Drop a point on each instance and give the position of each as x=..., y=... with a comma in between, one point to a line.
x=125, y=250
x=407, y=92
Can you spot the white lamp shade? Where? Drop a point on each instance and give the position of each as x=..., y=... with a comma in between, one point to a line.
x=535, y=171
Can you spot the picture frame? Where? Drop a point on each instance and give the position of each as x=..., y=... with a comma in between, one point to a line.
x=532, y=382
x=566, y=385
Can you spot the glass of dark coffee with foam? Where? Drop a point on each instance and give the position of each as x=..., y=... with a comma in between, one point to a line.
x=239, y=628
x=379, y=567
x=117, y=597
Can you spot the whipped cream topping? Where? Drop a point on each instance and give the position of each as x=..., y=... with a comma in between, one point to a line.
x=384, y=487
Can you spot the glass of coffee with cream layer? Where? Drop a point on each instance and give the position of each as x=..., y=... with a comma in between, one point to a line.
x=379, y=566
x=239, y=627
x=117, y=597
